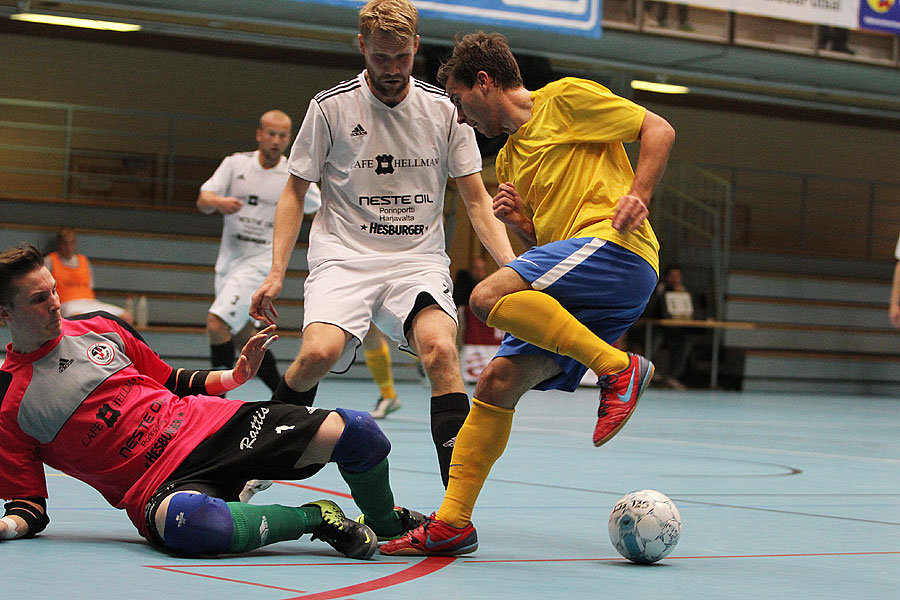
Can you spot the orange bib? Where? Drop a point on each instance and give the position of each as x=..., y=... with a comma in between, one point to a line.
x=72, y=283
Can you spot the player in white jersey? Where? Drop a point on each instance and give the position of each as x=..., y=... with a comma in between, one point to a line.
x=382, y=146
x=245, y=189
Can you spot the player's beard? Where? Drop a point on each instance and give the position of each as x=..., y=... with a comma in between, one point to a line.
x=392, y=90
x=272, y=155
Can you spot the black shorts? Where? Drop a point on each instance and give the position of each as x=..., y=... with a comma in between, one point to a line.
x=263, y=440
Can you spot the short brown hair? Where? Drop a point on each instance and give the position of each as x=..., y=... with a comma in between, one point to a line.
x=14, y=263
x=480, y=51
x=396, y=17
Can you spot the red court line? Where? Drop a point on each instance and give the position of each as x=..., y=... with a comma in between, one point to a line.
x=549, y=560
x=315, y=489
x=422, y=568
x=262, y=585
x=355, y=563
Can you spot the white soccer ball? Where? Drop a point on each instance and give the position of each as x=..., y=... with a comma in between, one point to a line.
x=644, y=526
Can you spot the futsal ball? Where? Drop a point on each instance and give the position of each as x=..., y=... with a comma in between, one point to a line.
x=644, y=526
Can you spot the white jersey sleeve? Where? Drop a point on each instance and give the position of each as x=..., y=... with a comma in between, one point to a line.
x=220, y=182
x=308, y=163
x=464, y=157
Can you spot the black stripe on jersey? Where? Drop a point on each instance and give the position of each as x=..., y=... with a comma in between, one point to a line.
x=440, y=93
x=432, y=89
x=327, y=123
x=341, y=88
x=5, y=380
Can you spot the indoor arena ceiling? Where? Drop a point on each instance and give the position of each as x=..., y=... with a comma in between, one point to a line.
x=721, y=71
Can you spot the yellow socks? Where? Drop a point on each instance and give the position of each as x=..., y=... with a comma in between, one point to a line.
x=480, y=442
x=379, y=363
x=539, y=319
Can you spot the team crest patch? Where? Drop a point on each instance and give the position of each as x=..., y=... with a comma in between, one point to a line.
x=101, y=353
x=385, y=164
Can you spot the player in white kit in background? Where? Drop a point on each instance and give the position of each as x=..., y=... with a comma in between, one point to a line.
x=382, y=146
x=245, y=189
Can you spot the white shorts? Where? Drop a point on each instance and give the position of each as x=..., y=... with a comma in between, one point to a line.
x=234, y=291
x=351, y=294
x=79, y=307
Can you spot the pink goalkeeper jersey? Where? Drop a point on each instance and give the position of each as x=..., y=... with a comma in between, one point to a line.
x=92, y=404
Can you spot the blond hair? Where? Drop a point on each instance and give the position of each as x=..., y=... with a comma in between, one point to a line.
x=398, y=18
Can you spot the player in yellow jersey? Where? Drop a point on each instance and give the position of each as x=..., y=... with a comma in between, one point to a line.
x=570, y=192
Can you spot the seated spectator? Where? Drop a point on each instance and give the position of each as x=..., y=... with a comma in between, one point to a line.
x=672, y=300
x=75, y=280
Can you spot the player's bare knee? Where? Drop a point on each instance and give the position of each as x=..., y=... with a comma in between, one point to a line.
x=493, y=378
x=316, y=361
x=482, y=301
x=440, y=354
x=322, y=445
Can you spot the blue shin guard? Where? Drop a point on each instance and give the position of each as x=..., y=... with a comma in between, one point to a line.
x=362, y=444
x=198, y=524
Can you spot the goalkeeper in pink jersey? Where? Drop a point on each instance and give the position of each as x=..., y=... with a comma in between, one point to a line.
x=88, y=397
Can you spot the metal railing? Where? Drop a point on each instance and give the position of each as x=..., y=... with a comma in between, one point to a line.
x=59, y=150
x=70, y=151
x=691, y=213
x=812, y=214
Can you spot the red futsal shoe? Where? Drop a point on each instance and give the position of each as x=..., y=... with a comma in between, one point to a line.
x=434, y=538
x=619, y=395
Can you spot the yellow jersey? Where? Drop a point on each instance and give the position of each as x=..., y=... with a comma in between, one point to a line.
x=569, y=165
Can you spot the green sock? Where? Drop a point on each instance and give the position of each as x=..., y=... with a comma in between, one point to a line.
x=372, y=493
x=259, y=525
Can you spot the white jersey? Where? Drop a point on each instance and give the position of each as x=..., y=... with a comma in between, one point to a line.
x=382, y=170
x=247, y=234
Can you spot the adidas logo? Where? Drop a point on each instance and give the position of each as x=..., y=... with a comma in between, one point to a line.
x=450, y=443
x=358, y=130
x=64, y=363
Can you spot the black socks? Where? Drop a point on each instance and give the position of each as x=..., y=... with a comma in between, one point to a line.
x=448, y=412
x=284, y=393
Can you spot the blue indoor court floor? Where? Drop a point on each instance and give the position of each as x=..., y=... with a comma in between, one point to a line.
x=782, y=496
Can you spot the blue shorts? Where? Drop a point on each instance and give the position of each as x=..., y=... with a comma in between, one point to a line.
x=605, y=287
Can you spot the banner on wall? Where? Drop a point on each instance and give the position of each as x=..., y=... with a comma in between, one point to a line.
x=837, y=13
x=881, y=15
x=571, y=17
